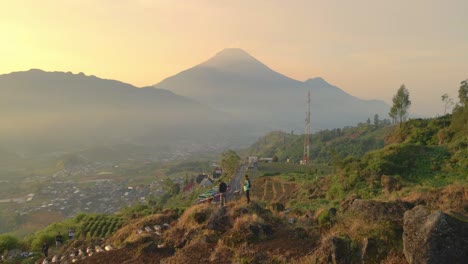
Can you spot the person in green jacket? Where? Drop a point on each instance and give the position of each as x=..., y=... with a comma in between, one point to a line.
x=247, y=187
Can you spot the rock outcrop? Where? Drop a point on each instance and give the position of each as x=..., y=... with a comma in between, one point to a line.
x=380, y=211
x=434, y=237
x=336, y=250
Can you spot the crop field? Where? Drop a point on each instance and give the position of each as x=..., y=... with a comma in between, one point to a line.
x=99, y=226
x=271, y=190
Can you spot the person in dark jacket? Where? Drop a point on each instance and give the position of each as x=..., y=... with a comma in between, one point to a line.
x=58, y=240
x=45, y=249
x=222, y=192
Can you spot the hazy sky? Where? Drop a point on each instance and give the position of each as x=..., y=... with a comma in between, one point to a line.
x=367, y=48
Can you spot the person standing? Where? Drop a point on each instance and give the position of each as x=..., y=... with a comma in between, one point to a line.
x=58, y=240
x=45, y=249
x=247, y=187
x=71, y=233
x=222, y=192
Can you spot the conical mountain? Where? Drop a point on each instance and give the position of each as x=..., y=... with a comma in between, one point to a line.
x=235, y=82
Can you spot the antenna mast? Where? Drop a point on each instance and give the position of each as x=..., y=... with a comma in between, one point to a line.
x=305, y=161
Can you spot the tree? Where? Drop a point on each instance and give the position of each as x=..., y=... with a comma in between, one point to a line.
x=376, y=120
x=448, y=102
x=275, y=158
x=368, y=122
x=170, y=187
x=229, y=161
x=393, y=114
x=401, y=104
x=463, y=93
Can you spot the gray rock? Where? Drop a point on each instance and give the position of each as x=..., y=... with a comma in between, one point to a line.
x=379, y=211
x=434, y=237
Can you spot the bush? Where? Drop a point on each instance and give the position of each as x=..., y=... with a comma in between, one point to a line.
x=8, y=242
x=335, y=192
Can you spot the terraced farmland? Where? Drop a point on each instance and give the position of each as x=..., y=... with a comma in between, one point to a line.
x=272, y=189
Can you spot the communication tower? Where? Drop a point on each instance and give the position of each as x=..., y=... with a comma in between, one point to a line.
x=306, y=158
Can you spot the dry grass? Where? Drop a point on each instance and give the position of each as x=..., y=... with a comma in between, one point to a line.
x=189, y=218
x=452, y=197
x=195, y=253
x=128, y=233
x=244, y=221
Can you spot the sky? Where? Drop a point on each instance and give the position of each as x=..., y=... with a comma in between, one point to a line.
x=367, y=48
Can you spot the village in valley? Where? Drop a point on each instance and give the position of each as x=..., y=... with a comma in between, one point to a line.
x=99, y=188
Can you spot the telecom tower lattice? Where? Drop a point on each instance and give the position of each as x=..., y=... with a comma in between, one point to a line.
x=305, y=160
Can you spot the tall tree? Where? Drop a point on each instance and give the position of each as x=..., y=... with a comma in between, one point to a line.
x=229, y=162
x=463, y=93
x=401, y=103
x=448, y=102
x=393, y=114
x=376, y=120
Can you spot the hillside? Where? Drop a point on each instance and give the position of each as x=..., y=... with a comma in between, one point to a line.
x=235, y=82
x=372, y=207
x=326, y=146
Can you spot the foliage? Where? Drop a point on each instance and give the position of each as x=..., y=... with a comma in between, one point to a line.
x=229, y=161
x=401, y=103
x=448, y=102
x=8, y=242
x=86, y=226
x=99, y=225
x=327, y=146
x=420, y=131
x=463, y=93
x=170, y=187
x=407, y=160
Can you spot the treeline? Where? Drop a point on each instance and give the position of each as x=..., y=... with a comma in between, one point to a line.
x=327, y=146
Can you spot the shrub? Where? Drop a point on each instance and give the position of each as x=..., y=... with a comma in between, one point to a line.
x=8, y=242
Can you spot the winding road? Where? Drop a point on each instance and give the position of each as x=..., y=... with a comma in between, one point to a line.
x=235, y=184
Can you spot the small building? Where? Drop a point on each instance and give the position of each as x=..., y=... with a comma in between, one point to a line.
x=217, y=173
x=253, y=161
x=267, y=160
x=200, y=178
x=206, y=182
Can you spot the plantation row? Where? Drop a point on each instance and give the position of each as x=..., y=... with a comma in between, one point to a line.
x=99, y=226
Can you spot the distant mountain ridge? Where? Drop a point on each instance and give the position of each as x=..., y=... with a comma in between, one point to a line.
x=235, y=82
x=58, y=110
x=231, y=98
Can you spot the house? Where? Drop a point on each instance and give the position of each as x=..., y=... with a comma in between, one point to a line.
x=200, y=178
x=267, y=160
x=217, y=173
x=253, y=162
x=206, y=182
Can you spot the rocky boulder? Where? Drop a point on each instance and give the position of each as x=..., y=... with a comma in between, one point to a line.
x=379, y=211
x=434, y=237
x=336, y=250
